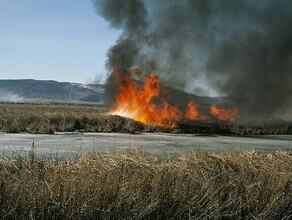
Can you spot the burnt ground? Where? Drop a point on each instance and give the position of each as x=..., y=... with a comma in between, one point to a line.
x=235, y=128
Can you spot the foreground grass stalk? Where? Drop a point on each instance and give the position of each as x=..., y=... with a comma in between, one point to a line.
x=227, y=185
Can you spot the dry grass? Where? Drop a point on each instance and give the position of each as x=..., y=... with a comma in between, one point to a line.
x=48, y=118
x=134, y=185
x=45, y=118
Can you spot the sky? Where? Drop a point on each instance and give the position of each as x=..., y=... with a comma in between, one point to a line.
x=62, y=40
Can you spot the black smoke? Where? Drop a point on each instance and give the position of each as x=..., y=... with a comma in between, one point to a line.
x=241, y=49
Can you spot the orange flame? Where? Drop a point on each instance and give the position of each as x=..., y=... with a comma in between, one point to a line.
x=193, y=112
x=143, y=102
x=224, y=114
x=137, y=103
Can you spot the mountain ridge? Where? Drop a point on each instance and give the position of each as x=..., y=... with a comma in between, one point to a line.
x=48, y=90
x=18, y=90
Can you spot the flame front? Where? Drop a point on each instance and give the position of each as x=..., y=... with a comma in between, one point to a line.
x=137, y=103
x=224, y=114
x=193, y=112
x=142, y=101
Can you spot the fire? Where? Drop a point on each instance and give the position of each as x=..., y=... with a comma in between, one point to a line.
x=224, y=114
x=193, y=112
x=139, y=103
x=143, y=101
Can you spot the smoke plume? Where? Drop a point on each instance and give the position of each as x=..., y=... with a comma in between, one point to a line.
x=241, y=49
x=6, y=96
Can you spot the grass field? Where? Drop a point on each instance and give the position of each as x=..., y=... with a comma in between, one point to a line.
x=135, y=185
x=46, y=118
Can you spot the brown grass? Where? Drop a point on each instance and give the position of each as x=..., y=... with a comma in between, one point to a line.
x=48, y=118
x=134, y=185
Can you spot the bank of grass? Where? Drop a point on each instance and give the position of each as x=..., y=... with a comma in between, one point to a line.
x=135, y=185
x=47, y=118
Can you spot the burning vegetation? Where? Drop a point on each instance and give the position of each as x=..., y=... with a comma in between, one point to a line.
x=47, y=118
x=143, y=101
x=224, y=114
x=237, y=49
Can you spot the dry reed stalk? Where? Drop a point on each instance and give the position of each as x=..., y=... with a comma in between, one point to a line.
x=135, y=185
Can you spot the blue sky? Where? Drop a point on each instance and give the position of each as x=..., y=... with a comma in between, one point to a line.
x=61, y=40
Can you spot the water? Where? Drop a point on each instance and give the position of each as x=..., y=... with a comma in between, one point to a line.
x=68, y=145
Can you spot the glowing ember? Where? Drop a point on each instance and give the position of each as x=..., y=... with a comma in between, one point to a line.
x=224, y=114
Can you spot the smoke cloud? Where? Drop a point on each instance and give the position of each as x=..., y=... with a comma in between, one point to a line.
x=6, y=96
x=241, y=49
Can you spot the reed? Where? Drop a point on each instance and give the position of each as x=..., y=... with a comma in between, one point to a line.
x=50, y=118
x=47, y=118
x=136, y=185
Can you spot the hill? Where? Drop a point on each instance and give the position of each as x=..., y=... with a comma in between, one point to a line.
x=49, y=90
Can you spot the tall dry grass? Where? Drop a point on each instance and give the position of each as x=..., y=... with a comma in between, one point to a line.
x=49, y=118
x=134, y=185
x=46, y=118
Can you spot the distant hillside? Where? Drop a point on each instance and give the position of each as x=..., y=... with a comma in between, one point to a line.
x=48, y=90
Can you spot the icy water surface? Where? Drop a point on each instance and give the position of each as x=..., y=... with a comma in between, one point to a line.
x=67, y=145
